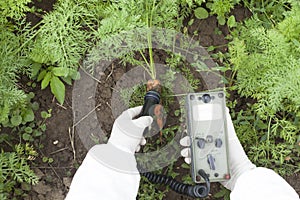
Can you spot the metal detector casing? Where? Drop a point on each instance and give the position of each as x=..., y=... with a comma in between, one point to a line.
x=206, y=126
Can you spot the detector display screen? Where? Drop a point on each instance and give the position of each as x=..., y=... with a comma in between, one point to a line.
x=206, y=112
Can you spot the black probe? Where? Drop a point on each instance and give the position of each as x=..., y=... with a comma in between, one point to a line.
x=151, y=99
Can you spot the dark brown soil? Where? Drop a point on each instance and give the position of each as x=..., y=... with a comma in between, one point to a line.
x=43, y=7
x=58, y=143
x=56, y=177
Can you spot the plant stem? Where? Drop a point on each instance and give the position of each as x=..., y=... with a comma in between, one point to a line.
x=268, y=138
x=146, y=69
x=151, y=65
x=149, y=39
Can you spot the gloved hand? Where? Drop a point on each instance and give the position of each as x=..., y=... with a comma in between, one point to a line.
x=127, y=133
x=238, y=160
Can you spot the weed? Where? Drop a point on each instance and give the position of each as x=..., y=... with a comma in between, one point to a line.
x=63, y=39
x=270, y=12
x=221, y=8
x=54, y=76
x=149, y=191
x=133, y=96
x=13, y=10
x=223, y=193
x=268, y=128
x=12, y=64
x=143, y=17
x=47, y=160
x=14, y=169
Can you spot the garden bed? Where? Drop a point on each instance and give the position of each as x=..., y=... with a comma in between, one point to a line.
x=56, y=177
x=61, y=150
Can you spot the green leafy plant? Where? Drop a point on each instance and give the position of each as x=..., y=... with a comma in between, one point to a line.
x=14, y=169
x=263, y=58
x=223, y=193
x=221, y=8
x=13, y=10
x=60, y=37
x=11, y=65
x=201, y=13
x=133, y=96
x=22, y=114
x=47, y=160
x=149, y=191
x=53, y=76
x=58, y=44
x=271, y=12
x=17, y=108
x=35, y=129
x=141, y=16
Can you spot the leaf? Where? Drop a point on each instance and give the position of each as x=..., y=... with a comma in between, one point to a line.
x=26, y=137
x=224, y=80
x=190, y=23
x=221, y=20
x=210, y=48
x=231, y=21
x=45, y=114
x=185, y=166
x=37, y=133
x=35, y=106
x=28, y=129
x=201, y=13
x=60, y=71
x=58, y=89
x=16, y=120
x=177, y=113
x=264, y=137
x=30, y=95
x=45, y=159
x=35, y=68
x=28, y=115
x=42, y=75
x=46, y=80
x=75, y=75
x=43, y=127
x=50, y=160
x=67, y=80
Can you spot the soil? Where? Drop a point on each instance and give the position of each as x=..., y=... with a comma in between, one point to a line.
x=55, y=178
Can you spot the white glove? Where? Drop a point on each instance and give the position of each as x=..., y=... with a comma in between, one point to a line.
x=238, y=160
x=127, y=133
x=109, y=170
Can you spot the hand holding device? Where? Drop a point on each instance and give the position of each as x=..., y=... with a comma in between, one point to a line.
x=206, y=126
x=127, y=133
x=238, y=160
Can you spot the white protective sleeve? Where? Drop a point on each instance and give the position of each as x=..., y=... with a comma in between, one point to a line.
x=111, y=177
x=262, y=184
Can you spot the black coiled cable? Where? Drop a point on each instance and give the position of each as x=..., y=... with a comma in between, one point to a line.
x=195, y=191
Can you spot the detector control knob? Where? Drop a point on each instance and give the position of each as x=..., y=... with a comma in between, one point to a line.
x=209, y=139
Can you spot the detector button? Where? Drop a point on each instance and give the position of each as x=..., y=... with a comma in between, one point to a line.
x=201, y=143
x=218, y=143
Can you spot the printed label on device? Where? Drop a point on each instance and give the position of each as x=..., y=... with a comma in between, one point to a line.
x=206, y=122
